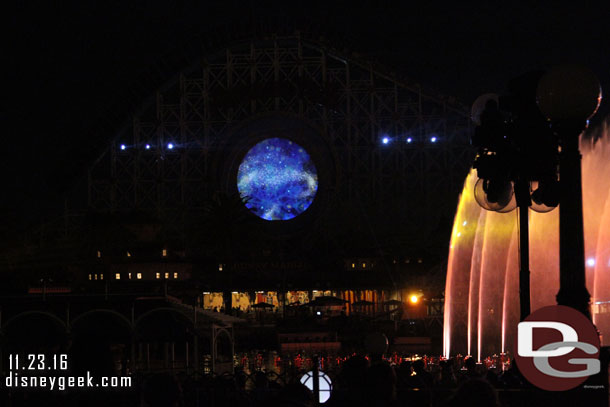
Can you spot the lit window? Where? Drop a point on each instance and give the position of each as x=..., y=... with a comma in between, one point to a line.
x=129, y=276
x=175, y=275
x=128, y=254
x=158, y=276
x=353, y=265
x=363, y=265
x=101, y=276
x=117, y=276
x=95, y=276
x=99, y=254
x=420, y=261
x=89, y=276
x=220, y=267
x=164, y=253
x=325, y=386
x=139, y=276
x=166, y=275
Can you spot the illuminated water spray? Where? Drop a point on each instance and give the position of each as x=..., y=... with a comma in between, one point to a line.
x=482, y=288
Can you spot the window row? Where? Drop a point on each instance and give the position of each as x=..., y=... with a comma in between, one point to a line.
x=138, y=276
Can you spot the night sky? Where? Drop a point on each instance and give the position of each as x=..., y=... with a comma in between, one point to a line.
x=78, y=72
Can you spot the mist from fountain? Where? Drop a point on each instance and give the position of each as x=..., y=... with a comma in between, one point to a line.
x=482, y=287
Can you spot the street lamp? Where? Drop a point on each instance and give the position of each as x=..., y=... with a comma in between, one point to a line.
x=568, y=96
x=516, y=152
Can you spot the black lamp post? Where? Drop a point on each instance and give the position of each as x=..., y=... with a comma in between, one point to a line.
x=569, y=96
x=516, y=149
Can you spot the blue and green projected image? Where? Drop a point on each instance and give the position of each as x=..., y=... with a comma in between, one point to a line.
x=279, y=179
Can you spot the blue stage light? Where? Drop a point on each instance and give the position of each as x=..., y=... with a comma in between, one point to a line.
x=433, y=139
x=409, y=140
x=147, y=146
x=170, y=146
x=385, y=140
x=123, y=146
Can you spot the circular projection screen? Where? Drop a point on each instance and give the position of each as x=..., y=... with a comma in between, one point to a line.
x=278, y=179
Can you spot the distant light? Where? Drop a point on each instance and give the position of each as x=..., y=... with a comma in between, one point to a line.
x=385, y=140
x=464, y=223
x=325, y=385
x=590, y=262
x=147, y=146
x=170, y=146
x=123, y=146
x=409, y=140
x=318, y=313
x=414, y=299
x=433, y=139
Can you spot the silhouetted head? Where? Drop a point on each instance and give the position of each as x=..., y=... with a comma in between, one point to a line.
x=405, y=368
x=470, y=364
x=296, y=394
x=260, y=380
x=418, y=366
x=380, y=383
x=477, y=393
x=354, y=371
x=162, y=390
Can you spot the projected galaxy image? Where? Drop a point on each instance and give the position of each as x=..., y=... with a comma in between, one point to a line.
x=278, y=178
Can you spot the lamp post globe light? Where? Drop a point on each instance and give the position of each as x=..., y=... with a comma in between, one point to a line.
x=568, y=96
x=516, y=153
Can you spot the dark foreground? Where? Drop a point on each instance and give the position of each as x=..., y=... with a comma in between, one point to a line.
x=359, y=382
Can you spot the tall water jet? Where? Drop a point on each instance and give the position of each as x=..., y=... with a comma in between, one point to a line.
x=482, y=289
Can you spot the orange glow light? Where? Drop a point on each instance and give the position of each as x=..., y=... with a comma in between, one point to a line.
x=414, y=299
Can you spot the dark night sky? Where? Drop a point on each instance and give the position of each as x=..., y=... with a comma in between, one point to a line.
x=72, y=68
